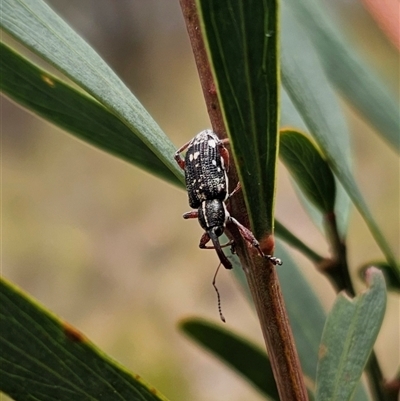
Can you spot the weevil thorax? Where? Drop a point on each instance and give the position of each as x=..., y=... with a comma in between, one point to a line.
x=205, y=171
x=212, y=215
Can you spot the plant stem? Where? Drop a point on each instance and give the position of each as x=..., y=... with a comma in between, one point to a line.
x=266, y=292
x=336, y=267
x=261, y=274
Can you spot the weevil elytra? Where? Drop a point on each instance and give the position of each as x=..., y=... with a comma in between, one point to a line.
x=205, y=165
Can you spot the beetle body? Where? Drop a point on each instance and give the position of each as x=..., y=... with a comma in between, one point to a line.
x=205, y=171
x=205, y=165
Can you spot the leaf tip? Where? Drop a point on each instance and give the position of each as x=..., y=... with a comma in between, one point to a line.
x=372, y=275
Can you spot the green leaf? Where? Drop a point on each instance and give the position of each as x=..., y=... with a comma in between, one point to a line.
x=36, y=26
x=282, y=232
x=349, y=335
x=243, y=356
x=74, y=111
x=348, y=71
x=309, y=90
x=242, y=43
x=307, y=166
x=44, y=358
x=290, y=117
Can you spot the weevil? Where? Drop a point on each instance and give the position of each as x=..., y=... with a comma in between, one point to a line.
x=206, y=164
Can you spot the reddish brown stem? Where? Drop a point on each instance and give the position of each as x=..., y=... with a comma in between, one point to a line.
x=261, y=274
x=189, y=11
x=267, y=295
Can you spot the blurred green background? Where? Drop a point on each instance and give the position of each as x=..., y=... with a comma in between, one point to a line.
x=102, y=243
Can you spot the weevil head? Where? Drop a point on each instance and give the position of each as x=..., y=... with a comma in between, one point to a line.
x=212, y=216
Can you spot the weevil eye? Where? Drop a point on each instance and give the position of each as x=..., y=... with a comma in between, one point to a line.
x=218, y=231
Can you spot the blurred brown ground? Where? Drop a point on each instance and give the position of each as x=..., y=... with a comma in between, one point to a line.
x=103, y=244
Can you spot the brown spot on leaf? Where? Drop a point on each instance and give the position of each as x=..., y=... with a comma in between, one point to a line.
x=72, y=333
x=323, y=350
x=48, y=80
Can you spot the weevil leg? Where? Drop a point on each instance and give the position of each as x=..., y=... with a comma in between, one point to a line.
x=251, y=239
x=217, y=246
x=223, y=151
x=274, y=260
x=205, y=238
x=178, y=157
x=193, y=214
x=237, y=188
x=247, y=235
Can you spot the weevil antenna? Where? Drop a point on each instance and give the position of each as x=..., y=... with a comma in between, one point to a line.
x=218, y=296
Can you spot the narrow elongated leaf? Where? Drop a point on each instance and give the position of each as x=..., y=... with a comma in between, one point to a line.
x=36, y=26
x=309, y=90
x=287, y=236
x=246, y=74
x=45, y=359
x=349, y=335
x=243, y=356
x=310, y=170
x=291, y=118
x=74, y=111
x=346, y=69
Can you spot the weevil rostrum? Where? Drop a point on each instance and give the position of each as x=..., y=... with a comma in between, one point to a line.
x=205, y=165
